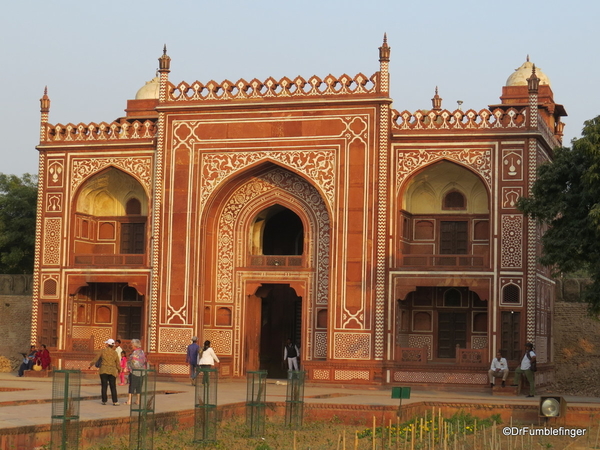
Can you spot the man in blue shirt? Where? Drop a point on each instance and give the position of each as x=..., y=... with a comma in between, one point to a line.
x=192, y=358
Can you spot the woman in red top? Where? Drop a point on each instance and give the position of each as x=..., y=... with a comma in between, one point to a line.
x=43, y=357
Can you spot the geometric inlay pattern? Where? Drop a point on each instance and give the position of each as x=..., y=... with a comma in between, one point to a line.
x=347, y=375
x=175, y=369
x=440, y=377
x=174, y=340
x=321, y=374
x=51, y=249
x=101, y=334
x=352, y=346
x=220, y=340
x=512, y=241
x=320, y=344
x=79, y=332
x=479, y=342
x=421, y=341
x=75, y=365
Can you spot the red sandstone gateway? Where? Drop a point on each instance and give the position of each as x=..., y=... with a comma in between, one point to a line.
x=386, y=244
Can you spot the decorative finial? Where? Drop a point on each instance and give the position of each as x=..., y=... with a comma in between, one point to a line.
x=164, y=62
x=384, y=50
x=533, y=82
x=45, y=101
x=436, y=101
x=528, y=58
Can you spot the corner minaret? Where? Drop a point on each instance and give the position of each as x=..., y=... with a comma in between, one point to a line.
x=164, y=67
x=533, y=85
x=384, y=66
x=436, y=101
x=45, y=112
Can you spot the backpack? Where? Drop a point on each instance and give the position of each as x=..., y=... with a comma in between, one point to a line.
x=533, y=367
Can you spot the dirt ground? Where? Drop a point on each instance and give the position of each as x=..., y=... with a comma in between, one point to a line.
x=577, y=355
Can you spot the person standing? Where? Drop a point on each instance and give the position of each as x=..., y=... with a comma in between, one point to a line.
x=290, y=353
x=498, y=368
x=207, y=356
x=123, y=367
x=137, y=360
x=118, y=348
x=191, y=358
x=109, y=367
x=527, y=364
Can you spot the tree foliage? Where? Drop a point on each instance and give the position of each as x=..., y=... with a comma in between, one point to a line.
x=566, y=198
x=18, y=203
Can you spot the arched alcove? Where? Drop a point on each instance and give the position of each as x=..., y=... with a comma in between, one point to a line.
x=111, y=211
x=277, y=231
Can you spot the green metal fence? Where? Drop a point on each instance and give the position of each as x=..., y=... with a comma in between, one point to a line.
x=294, y=401
x=256, y=398
x=143, y=389
x=205, y=420
x=66, y=388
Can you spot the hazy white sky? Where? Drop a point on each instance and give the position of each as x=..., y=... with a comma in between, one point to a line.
x=93, y=56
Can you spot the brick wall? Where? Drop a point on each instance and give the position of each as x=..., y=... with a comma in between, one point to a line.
x=576, y=349
x=15, y=315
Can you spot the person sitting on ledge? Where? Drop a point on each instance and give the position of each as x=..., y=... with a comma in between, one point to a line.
x=499, y=368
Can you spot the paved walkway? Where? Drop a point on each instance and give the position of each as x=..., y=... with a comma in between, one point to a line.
x=26, y=401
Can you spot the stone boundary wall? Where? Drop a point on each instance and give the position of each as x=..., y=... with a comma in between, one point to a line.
x=15, y=315
x=569, y=289
x=93, y=431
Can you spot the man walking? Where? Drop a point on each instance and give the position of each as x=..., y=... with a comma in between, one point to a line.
x=192, y=358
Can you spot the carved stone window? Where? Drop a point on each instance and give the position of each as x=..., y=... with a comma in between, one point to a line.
x=511, y=294
x=454, y=200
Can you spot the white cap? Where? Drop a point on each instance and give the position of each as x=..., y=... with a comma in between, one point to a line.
x=110, y=342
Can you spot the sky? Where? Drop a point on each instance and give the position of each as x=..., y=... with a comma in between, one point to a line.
x=94, y=56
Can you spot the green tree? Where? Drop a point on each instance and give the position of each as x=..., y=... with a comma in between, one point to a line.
x=566, y=198
x=18, y=203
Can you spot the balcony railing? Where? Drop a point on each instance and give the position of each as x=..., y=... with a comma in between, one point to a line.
x=447, y=261
x=110, y=260
x=296, y=261
x=412, y=356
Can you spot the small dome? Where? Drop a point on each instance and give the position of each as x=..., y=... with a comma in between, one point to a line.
x=519, y=78
x=150, y=90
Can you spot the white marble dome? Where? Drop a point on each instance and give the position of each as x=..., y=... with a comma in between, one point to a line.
x=150, y=90
x=519, y=77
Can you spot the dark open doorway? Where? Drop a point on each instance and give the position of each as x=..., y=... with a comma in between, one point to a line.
x=280, y=319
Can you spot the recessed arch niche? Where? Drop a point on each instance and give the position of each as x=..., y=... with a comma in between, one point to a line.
x=277, y=230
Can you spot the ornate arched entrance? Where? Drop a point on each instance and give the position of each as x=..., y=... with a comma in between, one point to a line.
x=254, y=281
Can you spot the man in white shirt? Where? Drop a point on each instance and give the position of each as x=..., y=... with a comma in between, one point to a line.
x=526, y=367
x=498, y=368
x=118, y=348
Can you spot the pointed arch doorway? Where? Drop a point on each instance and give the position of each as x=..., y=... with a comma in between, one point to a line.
x=274, y=315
